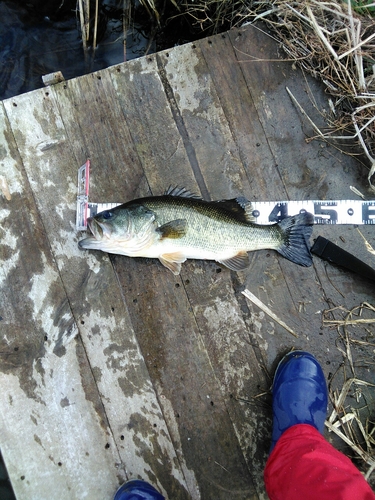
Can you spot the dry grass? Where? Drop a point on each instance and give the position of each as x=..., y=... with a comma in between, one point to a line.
x=353, y=395
x=208, y=15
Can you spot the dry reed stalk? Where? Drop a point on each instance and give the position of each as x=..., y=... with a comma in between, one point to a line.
x=126, y=22
x=95, y=24
x=84, y=26
x=83, y=7
x=249, y=295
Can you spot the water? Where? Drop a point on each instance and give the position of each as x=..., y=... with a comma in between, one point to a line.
x=38, y=38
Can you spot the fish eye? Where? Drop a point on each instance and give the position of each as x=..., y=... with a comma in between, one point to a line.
x=107, y=214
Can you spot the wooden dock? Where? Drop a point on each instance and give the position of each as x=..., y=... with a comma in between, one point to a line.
x=112, y=368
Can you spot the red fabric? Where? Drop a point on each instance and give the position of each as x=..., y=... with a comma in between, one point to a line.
x=303, y=465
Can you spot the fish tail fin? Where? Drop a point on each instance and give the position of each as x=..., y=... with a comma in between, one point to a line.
x=297, y=231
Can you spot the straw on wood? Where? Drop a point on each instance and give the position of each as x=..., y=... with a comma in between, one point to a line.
x=249, y=295
x=351, y=421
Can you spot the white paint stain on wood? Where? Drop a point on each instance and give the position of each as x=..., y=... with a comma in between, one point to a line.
x=67, y=438
x=185, y=80
x=170, y=416
x=8, y=239
x=40, y=288
x=130, y=394
x=4, y=187
x=226, y=330
x=11, y=180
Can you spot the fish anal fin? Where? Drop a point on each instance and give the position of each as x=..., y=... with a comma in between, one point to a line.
x=240, y=207
x=238, y=262
x=173, y=261
x=173, y=229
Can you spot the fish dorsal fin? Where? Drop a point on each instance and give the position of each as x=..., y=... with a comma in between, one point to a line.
x=237, y=262
x=173, y=229
x=173, y=261
x=241, y=207
x=180, y=191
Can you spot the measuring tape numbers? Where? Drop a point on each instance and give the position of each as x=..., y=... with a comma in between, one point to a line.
x=325, y=212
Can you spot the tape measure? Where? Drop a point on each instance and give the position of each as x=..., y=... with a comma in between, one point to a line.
x=265, y=212
x=325, y=212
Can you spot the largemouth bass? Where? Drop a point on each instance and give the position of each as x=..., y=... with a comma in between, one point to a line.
x=178, y=226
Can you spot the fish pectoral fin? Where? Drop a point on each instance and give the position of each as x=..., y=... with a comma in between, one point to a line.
x=237, y=262
x=173, y=229
x=173, y=261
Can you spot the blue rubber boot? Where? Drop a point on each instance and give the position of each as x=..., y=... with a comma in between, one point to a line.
x=136, y=489
x=300, y=394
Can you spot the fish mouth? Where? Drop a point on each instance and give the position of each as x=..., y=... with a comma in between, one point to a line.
x=95, y=228
x=98, y=233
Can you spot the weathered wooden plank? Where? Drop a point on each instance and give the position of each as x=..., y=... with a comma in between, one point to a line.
x=306, y=167
x=151, y=124
x=212, y=293
x=126, y=391
x=282, y=285
x=222, y=58
x=49, y=403
x=265, y=276
x=245, y=119
x=192, y=93
x=143, y=437
x=96, y=128
x=177, y=358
